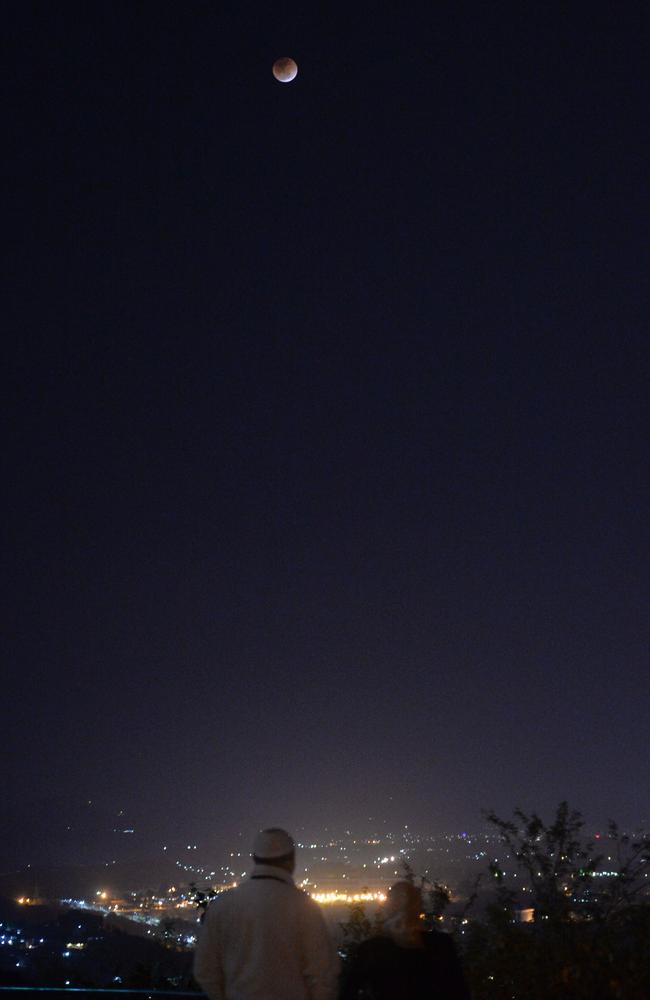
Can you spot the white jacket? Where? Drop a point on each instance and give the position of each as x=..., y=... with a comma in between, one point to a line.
x=265, y=940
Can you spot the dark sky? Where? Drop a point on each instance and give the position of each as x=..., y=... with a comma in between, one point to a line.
x=326, y=411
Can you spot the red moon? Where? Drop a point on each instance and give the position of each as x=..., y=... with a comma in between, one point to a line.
x=285, y=70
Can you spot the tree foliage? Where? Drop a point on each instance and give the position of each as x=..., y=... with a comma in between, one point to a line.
x=590, y=936
x=201, y=897
x=590, y=939
x=557, y=863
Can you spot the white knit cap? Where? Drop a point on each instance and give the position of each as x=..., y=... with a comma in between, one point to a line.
x=273, y=844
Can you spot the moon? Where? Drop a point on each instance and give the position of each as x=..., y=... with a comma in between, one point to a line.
x=285, y=69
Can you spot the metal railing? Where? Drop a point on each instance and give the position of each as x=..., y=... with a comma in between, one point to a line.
x=54, y=992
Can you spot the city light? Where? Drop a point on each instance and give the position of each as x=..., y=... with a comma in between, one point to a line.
x=324, y=898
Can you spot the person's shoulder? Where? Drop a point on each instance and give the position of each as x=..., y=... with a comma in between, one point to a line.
x=222, y=901
x=305, y=901
x=439, y=942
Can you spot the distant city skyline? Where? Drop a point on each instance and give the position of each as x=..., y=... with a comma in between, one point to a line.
x=98, y=836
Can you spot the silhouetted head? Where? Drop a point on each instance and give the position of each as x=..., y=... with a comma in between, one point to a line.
x=404, y=904
x=274, y=847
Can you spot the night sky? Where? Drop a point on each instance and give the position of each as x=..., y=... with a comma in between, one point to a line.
x=326, y=409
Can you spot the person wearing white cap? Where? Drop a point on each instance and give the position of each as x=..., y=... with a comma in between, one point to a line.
x=266, y=939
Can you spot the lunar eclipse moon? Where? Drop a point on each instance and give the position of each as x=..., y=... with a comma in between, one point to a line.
x=285, y=70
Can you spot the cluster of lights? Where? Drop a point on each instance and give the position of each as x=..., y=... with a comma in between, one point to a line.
x=344, y=897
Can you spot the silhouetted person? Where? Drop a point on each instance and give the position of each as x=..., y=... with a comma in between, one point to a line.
x=405, y=962
x=266, y=939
